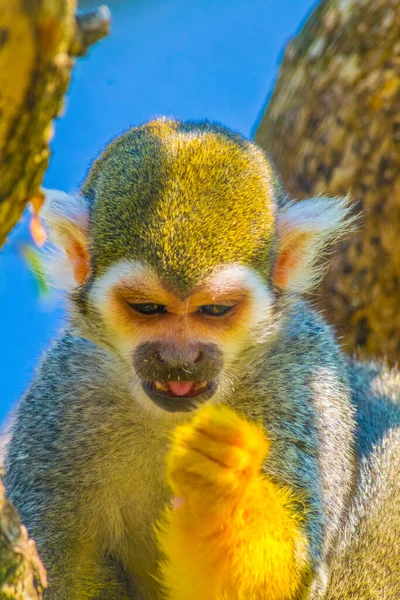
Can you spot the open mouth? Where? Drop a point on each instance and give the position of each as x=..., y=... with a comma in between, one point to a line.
x=179, y=396
x=180, y=389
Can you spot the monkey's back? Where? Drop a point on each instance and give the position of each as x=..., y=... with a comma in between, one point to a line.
x=366, y=563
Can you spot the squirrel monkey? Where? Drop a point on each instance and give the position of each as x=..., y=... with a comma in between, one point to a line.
x=196, y=432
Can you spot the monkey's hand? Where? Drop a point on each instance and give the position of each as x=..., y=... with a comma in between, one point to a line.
x=232, y=534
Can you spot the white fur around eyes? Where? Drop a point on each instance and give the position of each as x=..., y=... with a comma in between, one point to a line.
x=223, y=279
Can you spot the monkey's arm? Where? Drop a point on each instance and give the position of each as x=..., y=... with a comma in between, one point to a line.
x=366, y=563
x=76, y=569
x=233, y=533
x=44, y=482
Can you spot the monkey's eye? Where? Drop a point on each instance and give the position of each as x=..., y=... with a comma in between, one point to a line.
x=149, y=308
x=214, y=310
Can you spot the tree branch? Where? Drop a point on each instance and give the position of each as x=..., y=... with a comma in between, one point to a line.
x=38, y=42
x=22, y=576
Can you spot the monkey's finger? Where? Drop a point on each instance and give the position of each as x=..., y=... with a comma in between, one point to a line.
x=184, y=465
x=223, y=424
x=178, y=501
x=216, y=450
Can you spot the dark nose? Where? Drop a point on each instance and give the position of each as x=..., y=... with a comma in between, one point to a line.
x=175, y=357
x=164, y=362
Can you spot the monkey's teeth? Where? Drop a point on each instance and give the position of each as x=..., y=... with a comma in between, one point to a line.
x=200, y=386
x=160, y=387
x=164, y=388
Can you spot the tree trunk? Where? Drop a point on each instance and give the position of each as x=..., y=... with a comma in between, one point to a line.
x=38, y=40
x=22, y=576
x=333, y=127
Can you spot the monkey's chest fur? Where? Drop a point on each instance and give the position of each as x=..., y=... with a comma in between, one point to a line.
x=132, y=496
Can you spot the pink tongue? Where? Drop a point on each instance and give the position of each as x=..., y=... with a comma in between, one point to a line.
x=180, y=388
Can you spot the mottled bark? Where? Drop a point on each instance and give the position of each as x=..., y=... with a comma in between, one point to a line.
x=38, y=40
x=22, y=576
x=333, y=127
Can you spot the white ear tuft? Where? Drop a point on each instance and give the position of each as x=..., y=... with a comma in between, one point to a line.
x=63, y=212
x=66, y=218
x=305, y=230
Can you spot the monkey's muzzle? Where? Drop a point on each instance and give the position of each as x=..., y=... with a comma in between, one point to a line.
x=165, y=394
x=178, y=380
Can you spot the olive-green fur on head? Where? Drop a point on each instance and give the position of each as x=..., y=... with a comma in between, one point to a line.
x=184, y=198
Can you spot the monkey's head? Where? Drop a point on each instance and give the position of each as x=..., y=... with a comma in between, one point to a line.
x=178, y=246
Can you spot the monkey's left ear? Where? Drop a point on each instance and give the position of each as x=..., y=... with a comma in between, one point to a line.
x=305, y=230
x=67, y=220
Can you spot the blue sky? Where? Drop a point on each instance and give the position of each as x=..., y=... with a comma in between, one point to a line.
x=215, y=59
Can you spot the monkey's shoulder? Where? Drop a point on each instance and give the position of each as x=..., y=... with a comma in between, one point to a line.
x=376, y=397
x=69, y=397
x=70, y=364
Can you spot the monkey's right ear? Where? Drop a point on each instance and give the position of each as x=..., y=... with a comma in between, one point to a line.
x=67, y=221
x=305, y=230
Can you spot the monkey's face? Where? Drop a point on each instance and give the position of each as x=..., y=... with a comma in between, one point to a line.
x=180, y=350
